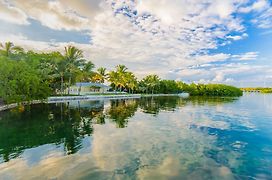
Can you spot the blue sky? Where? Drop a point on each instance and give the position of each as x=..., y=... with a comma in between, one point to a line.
x=206, y=41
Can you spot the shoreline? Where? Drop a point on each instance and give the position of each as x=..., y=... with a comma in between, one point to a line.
x=90, y=97
x=14, y=105
x=61, y=99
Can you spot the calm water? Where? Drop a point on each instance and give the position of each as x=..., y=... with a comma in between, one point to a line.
x=148, y=138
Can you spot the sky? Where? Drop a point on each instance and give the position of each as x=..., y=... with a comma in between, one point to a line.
x=202, y=41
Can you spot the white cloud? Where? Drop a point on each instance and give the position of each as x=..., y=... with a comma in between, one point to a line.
x=235, y=38
x=256, y=6
x=264, y=20
x=263, y=13
x=12, y=14
x=67, y=15
x=162, y=36
x=246, y=56
x=171, y=39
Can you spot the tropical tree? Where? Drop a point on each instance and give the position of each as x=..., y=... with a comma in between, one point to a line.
x=100, y=75
x=118, y=77
x=73, y=60
x=151, y=82
x=121, y=69
x=103, y=75
x=169, y=86
x=20, y=82
x=50, y=66
x=122, y=79
x=131, y=82
x=8, y=48
x=113, y=79
x=87, y=72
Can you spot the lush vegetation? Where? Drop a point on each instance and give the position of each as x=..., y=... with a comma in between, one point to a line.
x=29, y=75
x=258, y=89
x=212, y=90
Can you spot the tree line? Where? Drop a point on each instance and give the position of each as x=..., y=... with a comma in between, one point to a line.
x=257, y=89
x=26, y=75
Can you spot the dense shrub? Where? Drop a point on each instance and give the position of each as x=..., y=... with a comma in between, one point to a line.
x=213, y=90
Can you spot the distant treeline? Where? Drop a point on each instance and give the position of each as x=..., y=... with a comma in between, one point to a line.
x=29, y=75
x=259, y=89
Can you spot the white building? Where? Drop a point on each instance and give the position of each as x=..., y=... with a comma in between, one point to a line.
x=86, y=88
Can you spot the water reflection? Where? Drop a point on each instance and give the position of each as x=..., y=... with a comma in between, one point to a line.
x=44, y=124
x=147, y=138
x=121, y=110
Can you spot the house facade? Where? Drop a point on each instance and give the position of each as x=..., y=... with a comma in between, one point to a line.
x=87, y=88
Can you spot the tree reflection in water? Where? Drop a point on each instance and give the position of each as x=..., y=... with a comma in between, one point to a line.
x=153, y=105
x=45, y=124
x=121, y=110
x=69, y=123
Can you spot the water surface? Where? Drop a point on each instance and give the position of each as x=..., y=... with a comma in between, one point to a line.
x=147, y=138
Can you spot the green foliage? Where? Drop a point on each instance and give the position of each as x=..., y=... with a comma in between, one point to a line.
x=28, y=75
x=9, y=49
x=212, y=90
x=150, y=84
x=20, y=82
x=258, y=89
x=100, y=75
x=268, y=90
x=169, y=86
x=122, y=80
x=25, y=76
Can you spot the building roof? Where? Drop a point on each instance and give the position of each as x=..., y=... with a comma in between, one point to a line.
x=90, y=84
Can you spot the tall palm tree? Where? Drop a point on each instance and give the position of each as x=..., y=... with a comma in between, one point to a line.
x=121, y=71
x=87, y=71
x=72, y=53
x=88, y=67
x=102, y=73
x=131, y=81
x=113, y=79
x=74, y=59
x=151, y=81
x=9, y=48
x=121, y=68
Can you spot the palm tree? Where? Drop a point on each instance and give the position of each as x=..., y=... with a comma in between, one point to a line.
x=73, y=59
x=121, y=71
x=151, y=81
x=9, y=48
x=100, y=75
x=88, y=67
x=131, y=81
x=113, y=79
x=87, y=71
x=102, y=72
x=121, y=68
x=73, y=54
x=121, y=79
